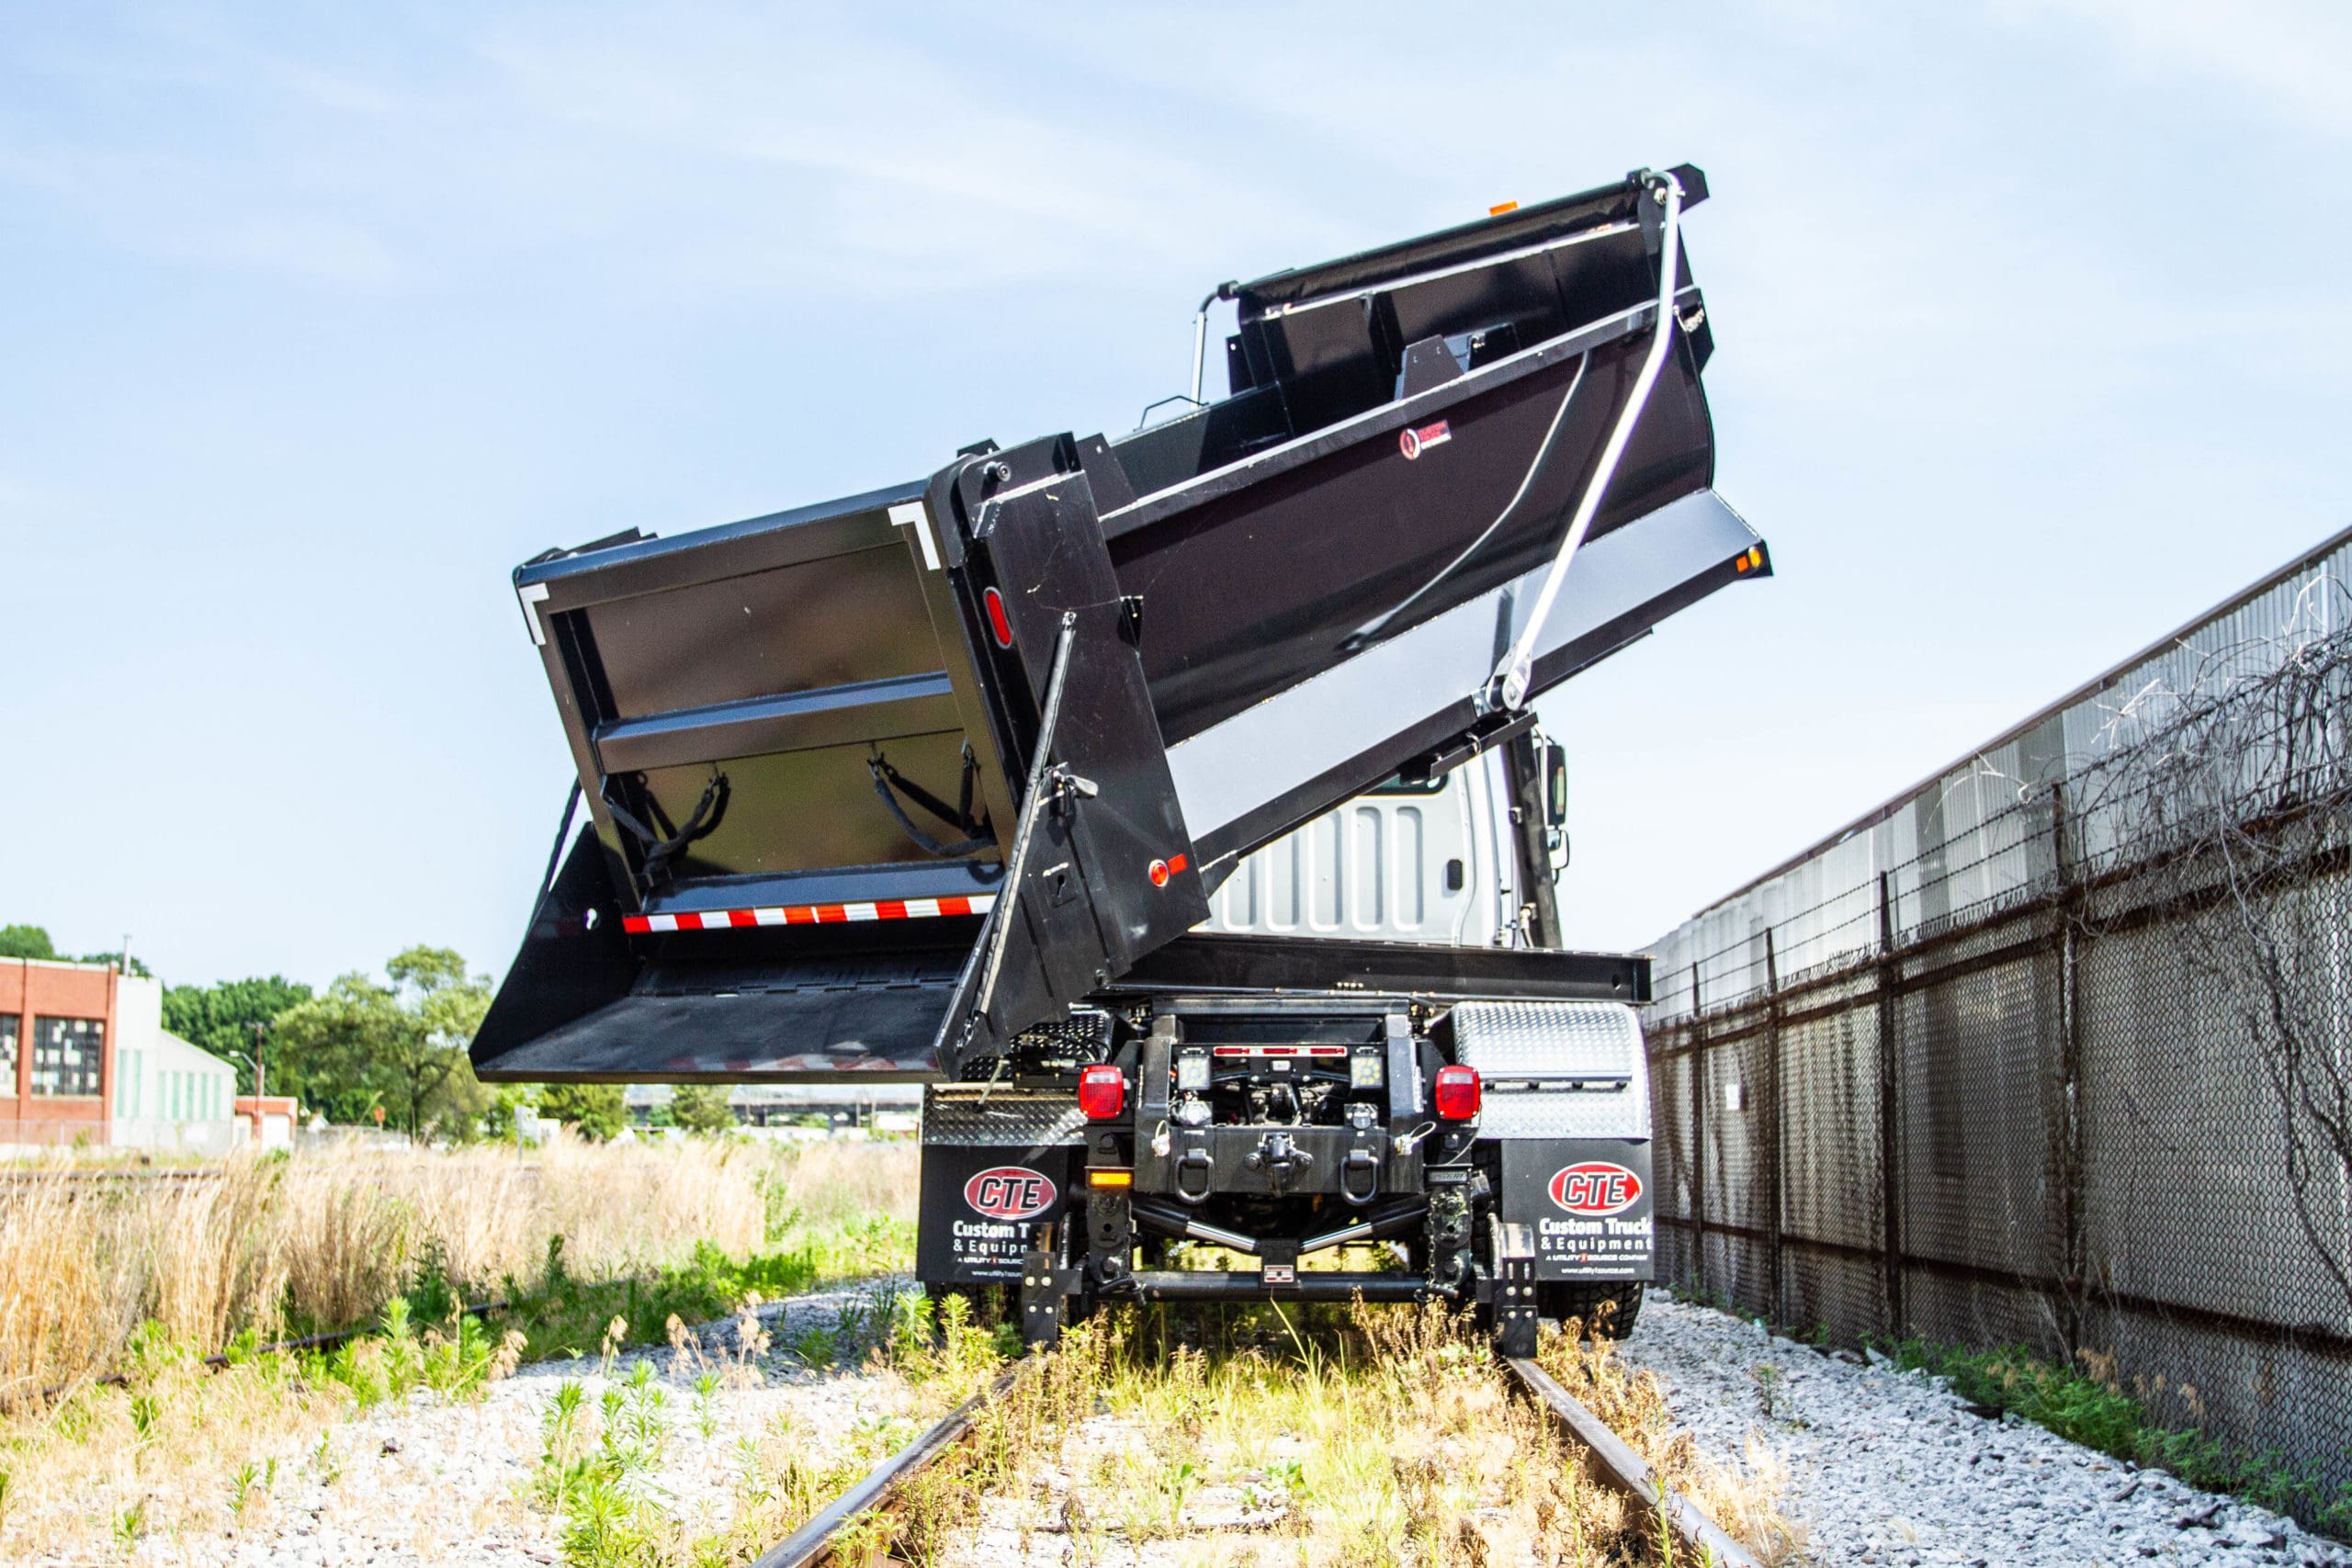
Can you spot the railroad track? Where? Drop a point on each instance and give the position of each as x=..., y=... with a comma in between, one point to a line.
x=1616, y=1463
x=812, y=1544
x=1700, y=1540
x=69, y=1179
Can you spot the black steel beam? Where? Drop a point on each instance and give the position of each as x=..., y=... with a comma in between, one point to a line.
x=1219, y=1285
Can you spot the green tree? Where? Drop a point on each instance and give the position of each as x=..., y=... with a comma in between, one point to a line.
x=25, y=941
x=33, y=941
x=221, y=1019
x=701, y=1108
x=403, y=1046
x=593, y=1109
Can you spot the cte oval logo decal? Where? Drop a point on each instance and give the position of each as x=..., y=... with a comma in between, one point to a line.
x=1009, y=1192
x=1413, y=442
x=1596, y=1187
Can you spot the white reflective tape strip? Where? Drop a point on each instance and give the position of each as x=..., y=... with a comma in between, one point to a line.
x=532, y=594
x=812, y=914
x=911, y=514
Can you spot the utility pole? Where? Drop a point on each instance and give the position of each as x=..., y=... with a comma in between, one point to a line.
x=254, y=1056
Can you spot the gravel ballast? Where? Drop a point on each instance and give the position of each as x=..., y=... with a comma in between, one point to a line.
x=436, y=1482
x=1891, y=1467
x=1884, y=1467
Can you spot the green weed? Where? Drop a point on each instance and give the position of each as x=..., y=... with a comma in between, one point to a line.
x=2094, y=1411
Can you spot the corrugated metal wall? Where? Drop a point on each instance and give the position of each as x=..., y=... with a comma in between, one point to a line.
x=1989, y=1067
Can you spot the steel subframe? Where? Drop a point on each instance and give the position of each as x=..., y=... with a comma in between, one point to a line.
x=1228, y=1285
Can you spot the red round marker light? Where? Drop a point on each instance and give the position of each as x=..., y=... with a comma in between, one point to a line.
x=1159, y=874
x=1102, y=1092
x=1000, y=623
x=1457, y=1093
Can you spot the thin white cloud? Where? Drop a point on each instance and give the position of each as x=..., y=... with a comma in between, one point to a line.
x=2286, y=59
x=935, y=172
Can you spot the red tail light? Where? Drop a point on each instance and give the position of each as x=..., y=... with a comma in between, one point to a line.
x=999, y=625
x=1102, y=1092
x=1457, y=1093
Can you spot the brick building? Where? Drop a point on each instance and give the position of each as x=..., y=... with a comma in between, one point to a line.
x=57, y=1043
x=84, y=1059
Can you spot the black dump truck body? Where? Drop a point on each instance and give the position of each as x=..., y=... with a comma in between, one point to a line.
x=933, y=782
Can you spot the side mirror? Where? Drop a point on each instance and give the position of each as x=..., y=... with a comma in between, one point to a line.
x=1555, y=784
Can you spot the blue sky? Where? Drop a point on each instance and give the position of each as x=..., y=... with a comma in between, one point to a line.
x=2032, y=323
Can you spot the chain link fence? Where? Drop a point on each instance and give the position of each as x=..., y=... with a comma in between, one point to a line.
x=2056, y=1049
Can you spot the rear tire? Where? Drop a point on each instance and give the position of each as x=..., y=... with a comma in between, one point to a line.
x=1608, y=1310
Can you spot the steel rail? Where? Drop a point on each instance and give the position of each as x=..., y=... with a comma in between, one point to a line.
x=37, y=1176
x=1622, y=1468
x=812, y=1542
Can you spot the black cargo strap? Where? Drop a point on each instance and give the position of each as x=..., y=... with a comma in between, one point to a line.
x=662, y=848
x=889, y=783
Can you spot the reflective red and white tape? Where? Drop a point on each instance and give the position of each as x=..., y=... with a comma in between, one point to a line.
x=811, y=914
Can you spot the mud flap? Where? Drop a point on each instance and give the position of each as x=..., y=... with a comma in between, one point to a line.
x=1585, y=1202
x=1001, y=1170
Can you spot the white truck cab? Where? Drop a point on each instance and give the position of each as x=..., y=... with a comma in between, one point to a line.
x=1425, y=861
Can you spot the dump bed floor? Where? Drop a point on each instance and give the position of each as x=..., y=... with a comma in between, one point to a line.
x=875, y=1014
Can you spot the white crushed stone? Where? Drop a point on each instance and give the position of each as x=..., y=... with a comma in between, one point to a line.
x=1892, y=1468
x=430, y=1482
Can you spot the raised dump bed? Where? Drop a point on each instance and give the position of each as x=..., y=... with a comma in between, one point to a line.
x=877, y=784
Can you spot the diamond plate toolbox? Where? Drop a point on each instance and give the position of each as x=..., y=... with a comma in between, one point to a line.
x=978, y=1116
x=1556, y=1069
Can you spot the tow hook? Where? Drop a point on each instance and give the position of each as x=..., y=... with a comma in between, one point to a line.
x=1194, y=1157
x=1368, y=1163
x=1281, y=1158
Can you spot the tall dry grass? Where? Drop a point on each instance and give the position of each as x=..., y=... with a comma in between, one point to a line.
x=323, y=1238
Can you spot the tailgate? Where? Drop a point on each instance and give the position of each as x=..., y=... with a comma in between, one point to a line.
x=791, y=791
x=849, y=774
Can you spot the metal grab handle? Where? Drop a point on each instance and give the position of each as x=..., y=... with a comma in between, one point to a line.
x=1201, y=336
x=1507, y=688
